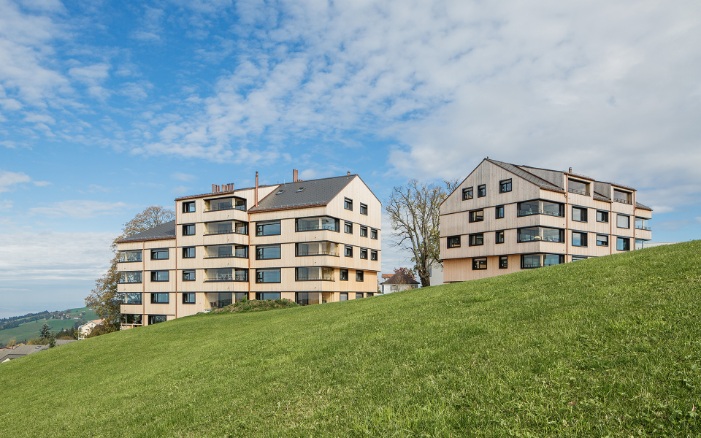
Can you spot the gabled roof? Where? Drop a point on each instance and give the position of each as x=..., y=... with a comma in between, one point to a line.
x=159, y=232
x=401, y=278
x=312, y=193
x=543, y=178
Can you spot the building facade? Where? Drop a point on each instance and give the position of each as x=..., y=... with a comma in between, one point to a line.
x=311, y=242
x=504, y=218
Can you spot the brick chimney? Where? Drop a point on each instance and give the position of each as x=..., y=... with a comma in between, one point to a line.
x=295, y=175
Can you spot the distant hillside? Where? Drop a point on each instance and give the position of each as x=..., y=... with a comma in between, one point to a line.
x=608, y=346
x=22, y=328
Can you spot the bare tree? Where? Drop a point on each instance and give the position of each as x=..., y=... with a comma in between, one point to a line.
x=103, y=299
x=413, y=212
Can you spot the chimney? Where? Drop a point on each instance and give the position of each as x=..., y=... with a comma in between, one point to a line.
x=570, y=170
x=348, y=174
x=295, y=175
x=255, y=193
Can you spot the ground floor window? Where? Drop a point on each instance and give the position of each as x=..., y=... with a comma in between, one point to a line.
x=267, y=295
x=128, y=318
x=537, y=260
x=306, y=298
x=155, y=319
x=359, y=295
x=189, y=298
x=240, y=296
x=503, y=262
x=344, y=296
x=622, y=244
x=479, y=264
x=221, y=299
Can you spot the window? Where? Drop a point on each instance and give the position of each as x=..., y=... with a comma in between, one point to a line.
x=363, y=209
x=641, y=223
x=348, y=227
x=160, y=298
x=189, y=230
x=503, y=262
x=467, y=193
x=268, y=228
x=226, y=204
x=621, y=196
x=130, y=319
x=159, y=254
x=622, y=221
x=373, y=233
x=531, y=234
x=370, y=294
x=129, y=256
x=479, y=264
x=313, y=273
x=363, y=231
x=159, y=275
x=579, y=187
x=267, y=252
x=188, y=252
x=130, y=298
x=316, y=248
x=364, y=253
x=226, y=227
x=529, y=261
x=499, y=236
x=481, y=190
x=622, y=244
x=221, y=299
x=499, y=212
x=226, y=251
x=267, y=295
x=348, y=251
x=155, y=319
x=538, y=206
x=317, y=223
x=477, y=239
x=240, y=296
x=189, y=207
x=576, y=258
x=130, y=277
x=373, y=255
x=348, y=204
x=579, y=238
x=306, y=298
x=602, y=216
x=454, y=242
x=226, y=274
x=602, y=240
x=505, y=185
x=268, y=275
x=189, y=298
x=189, y=275
x=343, y=296
x=344, y=274
x=579, y=214
x=359, y=295
x=476, y=215
x=359, y=276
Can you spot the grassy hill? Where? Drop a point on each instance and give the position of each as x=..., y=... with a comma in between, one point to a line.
x=57, y=321
x=609, y=346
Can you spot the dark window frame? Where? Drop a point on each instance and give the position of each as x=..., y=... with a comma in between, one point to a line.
x=482, y=190
x=158, y=297
x=473, y=217
x=476, y=239
x=186, y=274
x=453, y=242
x=189, y=298
x=505, y=185
x=363, y=209
x=156, y=251
x=189, y=252
x=479, y=263
x=467, y=193
x=499, y=212
x=187, y=205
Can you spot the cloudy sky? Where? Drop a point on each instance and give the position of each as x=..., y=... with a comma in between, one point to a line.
x=109, y=107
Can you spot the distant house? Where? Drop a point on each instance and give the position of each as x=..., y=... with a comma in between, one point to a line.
x=85, y=329
x=398, y=282
x=8, y=354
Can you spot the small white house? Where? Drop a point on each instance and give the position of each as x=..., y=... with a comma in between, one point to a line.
x=85, y=329
x=398, y=282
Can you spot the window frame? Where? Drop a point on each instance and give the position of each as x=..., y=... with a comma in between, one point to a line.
x=260, y=228
x=187, y=205
x=359, y=276
x=499, y=237
x=619, y=216
x=189, y=297
x=474, y=218
x=363, y=209
x=583, y=239
x=584, y=213
x=374, y=233
x=600, y=242
x=451, y=242
x=156, y=295
x=260, y=250
x=348, y=251
x=602, y=216
x=499, y=212
x=155, y=276
x=505, y=185
x=503, y=262
x=348, y=204
x=482, y=190
x=261, y=278
x=479, y=263
x=189, y=271
x=156, y=251
x=467, y=193
x=189, y=252
x=476, y=239
x=186, y=229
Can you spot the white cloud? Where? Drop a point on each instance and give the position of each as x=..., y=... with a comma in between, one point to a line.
x=10, y=179
x=185, y=177
x=92, y=76
x=78, y=209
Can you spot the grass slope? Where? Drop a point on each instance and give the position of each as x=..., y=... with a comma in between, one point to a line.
x=32, y=329
x=610, y=346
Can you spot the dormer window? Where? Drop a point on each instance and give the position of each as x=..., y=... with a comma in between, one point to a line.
x=622, y=196
x=578, y=187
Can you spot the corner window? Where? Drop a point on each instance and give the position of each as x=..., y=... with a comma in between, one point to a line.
x=531, y=234
x=454, y=242
x=189, y=207
x=317, y=223
x=189, y=230
x=189, y=275
x=189, y=298
x=159, y=275
x=622, y=244
x=503, y=262
x=271, y=228
x=499, y=212
x=499, y=236
x=602, y=240
x=467, y=193
x=622, y=221
x=188, y=252
x=505, y=185
x=160, y=298
x=348, y=204
x=538, y=206
x=479, y=264
x=129, y=298
x=481, y=190
x=344, y=275
x=359, y=276
x=476, y=215
x=159, y=254
x=127, y=277
x=363, y=209
x=477, y=239
x=579, y=214
x=602, y=216
x=579, y=238
x=529, y=261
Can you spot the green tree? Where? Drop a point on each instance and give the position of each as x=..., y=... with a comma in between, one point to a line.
x=103, y=298
x=45, y=333
x=413, y=213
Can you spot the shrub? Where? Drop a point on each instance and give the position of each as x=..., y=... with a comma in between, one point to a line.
x=256, y=306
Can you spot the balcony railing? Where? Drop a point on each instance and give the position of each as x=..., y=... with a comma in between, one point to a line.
x=531, y=212
x=622, y=200
x=227, y=277
x=578, y=191
x=643, y=227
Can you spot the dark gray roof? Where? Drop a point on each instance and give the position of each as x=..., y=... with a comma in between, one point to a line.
x=316, y=192
x=400, y=278
x=159, y=232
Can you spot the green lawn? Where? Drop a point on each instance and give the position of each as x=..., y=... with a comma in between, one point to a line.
x=31, y=330
x=610, y=346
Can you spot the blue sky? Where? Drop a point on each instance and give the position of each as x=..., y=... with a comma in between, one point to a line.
x=109, y=107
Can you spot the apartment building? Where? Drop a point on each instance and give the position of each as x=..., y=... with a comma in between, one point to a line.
x=504, y=218
x=315, y=241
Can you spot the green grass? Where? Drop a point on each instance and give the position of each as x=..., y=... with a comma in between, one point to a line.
x=604, y=347
x=32, y=329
